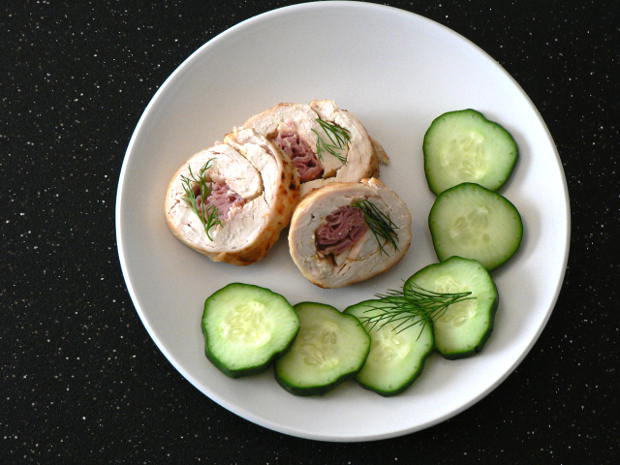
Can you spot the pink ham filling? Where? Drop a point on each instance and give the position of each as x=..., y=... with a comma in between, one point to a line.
x=222, y=197
x=304, y=159
x=340, y=231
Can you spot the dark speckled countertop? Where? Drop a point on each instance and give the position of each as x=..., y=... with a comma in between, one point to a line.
x=82, y=382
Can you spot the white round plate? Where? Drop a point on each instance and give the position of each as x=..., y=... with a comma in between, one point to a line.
x=396, y=71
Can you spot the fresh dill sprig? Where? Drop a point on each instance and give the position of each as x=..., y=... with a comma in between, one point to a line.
x=381, y=225
x=207, y=214
x=338, y=138
x=411, y=306
x=386, y=311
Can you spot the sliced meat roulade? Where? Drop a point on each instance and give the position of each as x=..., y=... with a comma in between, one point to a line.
x=344, y=233
x=325, y=143
x=231, y=201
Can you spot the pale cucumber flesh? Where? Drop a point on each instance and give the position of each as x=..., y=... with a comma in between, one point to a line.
x=463, y=328
x=245, y=326
x=473, y=222
x=464, y=146
x=330, y=347
x=396, y=357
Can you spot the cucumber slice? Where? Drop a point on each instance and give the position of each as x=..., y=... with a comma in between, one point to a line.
x=396, y=358
x=463, y=328
x=245, y=326
x=330, y=347
x=473, y=222
x=464, y=146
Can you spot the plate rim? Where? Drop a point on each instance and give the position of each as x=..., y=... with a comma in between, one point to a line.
x=240, y=411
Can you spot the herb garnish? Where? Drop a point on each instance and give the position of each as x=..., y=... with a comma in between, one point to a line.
x=381, y=225
x=338, y=140
x=207, y=214
x=411, y=306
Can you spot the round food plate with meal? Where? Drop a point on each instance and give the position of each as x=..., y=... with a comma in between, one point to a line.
x=344, y=235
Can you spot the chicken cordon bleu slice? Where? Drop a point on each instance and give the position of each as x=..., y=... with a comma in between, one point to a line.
x=231, y=201
x=325, y=143
x=344, y=233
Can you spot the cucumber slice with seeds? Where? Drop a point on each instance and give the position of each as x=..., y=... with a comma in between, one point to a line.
x=396, y=358
x=473, y=222
x=245, y=326
x=463, y=328
x=330, y=347
x=464, y=146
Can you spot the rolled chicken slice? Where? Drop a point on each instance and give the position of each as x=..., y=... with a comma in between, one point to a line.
x=231, y=201
x=344, y=233
x=326, y=144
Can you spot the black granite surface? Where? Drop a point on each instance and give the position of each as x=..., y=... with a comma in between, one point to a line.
x=83, y=383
